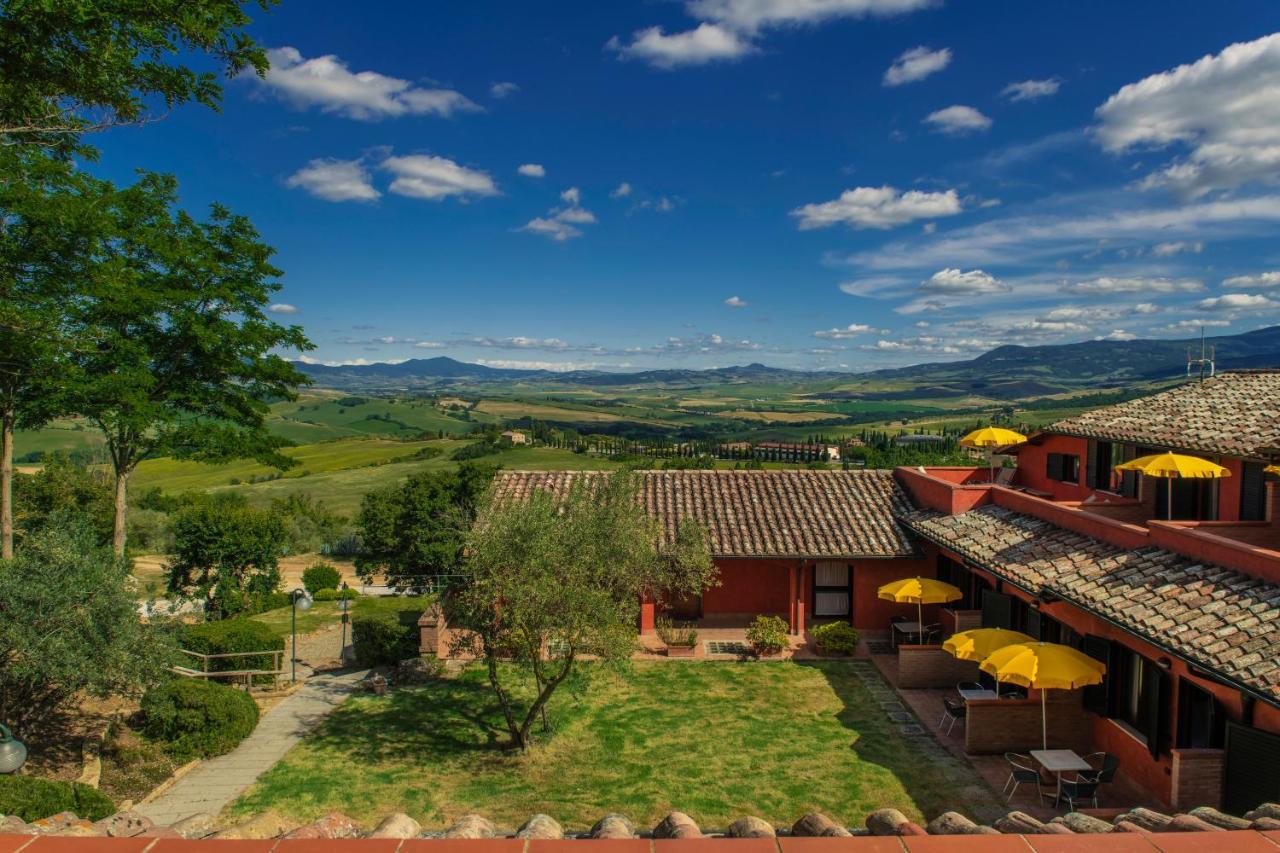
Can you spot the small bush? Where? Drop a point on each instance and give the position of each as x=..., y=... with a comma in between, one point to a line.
x=336, y=595
x=264, y=601
x=230, y=636
x=836, y=638
x=197, y=719
x=32, y=798
x=384, y=638
x=680, y=635
x=767, y=635
x=321, y=576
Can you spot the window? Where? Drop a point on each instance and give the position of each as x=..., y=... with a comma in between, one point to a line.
x=1202, y=722
x=1098, y=473
x=830, y=589
x=1253, y=493
x=960, y=577
x=1134, y=691
x=1064, y=467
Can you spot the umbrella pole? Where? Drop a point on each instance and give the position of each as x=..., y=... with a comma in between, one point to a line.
x=920, y=620
x=1044, y=724
x=1169, y=494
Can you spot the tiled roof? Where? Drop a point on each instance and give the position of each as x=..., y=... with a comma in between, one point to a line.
x=1222, y=619
x=1236, y=413
x=761, y=513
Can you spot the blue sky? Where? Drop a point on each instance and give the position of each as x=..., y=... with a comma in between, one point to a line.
x=835, y=184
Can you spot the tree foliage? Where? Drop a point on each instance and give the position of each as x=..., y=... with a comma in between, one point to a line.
x=69, y=66
x=60, y=488
x=225, y=555
x=551, y=579
x=68, y=625
x=413, y=533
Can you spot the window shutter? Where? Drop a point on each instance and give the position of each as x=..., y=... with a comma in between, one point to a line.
x=1155, y=695
x=1098, y=697
x=1091, y=465
x=997, y=610
x=1253, y=493
x=1032, y=623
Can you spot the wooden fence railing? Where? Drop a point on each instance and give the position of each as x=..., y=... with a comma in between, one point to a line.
x=248, y=675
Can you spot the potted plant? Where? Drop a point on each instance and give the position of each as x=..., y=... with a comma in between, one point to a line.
x=836, y=639
x=680, y=639
x=767, y=636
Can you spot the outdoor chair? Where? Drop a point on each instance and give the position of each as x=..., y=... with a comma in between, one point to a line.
x=953, y=711
x=931, y=633
x=969, y=685
x=1079, y=791
x=1020, y=770
x=1107, y=765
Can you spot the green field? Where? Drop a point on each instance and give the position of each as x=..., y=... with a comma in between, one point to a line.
x=715, y=740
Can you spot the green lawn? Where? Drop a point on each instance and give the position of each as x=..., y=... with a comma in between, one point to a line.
x=716, y=740
x=324, y=613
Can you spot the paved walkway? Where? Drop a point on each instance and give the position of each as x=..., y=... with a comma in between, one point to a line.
x=218, y=781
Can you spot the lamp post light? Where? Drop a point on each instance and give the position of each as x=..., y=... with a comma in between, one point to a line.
x=344, y=607
x=13, y=752
x=300, y=601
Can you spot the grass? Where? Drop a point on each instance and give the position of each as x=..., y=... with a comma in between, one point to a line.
x=716, y=740
x=325, y=613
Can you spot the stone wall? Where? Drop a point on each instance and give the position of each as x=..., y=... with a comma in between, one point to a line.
x=1197, y=778
x=1013, y=725
x=929, y=666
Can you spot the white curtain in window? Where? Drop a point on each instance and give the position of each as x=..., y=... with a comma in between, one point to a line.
x=831, y=574
x=831, y=604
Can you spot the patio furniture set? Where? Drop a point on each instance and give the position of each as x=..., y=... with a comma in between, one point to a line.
x=1092, y=772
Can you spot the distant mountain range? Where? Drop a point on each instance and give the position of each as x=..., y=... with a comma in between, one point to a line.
x=1009, y=371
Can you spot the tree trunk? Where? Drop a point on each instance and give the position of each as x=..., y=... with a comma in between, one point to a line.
x=491, y=658
x=6, y=485
x=122, y=510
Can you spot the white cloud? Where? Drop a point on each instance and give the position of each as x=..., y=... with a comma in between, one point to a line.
x=1133, y=284
x=334, y=180
x=521, y=342
x=736, y=302
x=576, y=215
x=1236, y=302
x=553, y=228
x=326, y=82
x=1260, y=281
x=1117, y=335
x=1184, y=326
x=503, y=89
x=958, y=120
x=282, y=308
x=705, y=344
x=852, y=330
x=554, y=366
x=953, y=281
x=705, y=43
x=1030, y=90
x=916, y=64
x=436, y=178
x=878, y=207
x=752, y=15
x=429, y=345
x=532, y=170
x=572, y=195
x=1224, y=108
x=1177, y=247
x=621, y=191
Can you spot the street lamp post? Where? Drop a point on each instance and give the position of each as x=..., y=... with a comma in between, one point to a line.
x=344, y=606
x=13, y=753
x=300, y=600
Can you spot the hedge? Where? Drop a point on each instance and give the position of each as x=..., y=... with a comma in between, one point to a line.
x=836, y=638
x=320, y=576
x=336, y=595
x=32, y=798
x=384, y=638
x=197, y=719
x=229, y=636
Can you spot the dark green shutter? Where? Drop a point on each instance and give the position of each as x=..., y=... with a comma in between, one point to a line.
x=1253, y=493
x=1155, y=706
x=1250, y=778
x=1032, y=623
x=1098, y=697
x=997, y=610
x=1091, y=465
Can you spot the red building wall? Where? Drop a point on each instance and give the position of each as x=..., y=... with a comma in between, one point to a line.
x=872, y=613
x=1033, y=460
x=750, y=586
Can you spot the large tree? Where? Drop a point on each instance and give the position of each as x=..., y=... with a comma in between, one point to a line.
x=413, y=533
x=225, y=554
x=70, y=66
x=554, y=578
x=183, y=359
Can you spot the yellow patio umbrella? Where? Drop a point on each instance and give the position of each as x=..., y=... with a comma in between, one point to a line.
x=991, y=438
x=920, y=591
x=980, y=643
x=1043, y=666
x=1272, y=469
x=1174, y=466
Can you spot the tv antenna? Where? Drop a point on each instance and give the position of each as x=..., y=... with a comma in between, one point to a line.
x=1207, y=358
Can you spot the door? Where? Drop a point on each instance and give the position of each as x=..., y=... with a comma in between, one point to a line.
x=831, y=590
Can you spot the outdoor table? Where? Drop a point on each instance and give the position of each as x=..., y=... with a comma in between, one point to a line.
x=907, y=628
x=970, y=694
x=1057, y=762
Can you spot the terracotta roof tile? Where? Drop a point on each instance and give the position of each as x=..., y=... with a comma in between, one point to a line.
x=1235, y=413
x=1222, y=619
x=760, y=513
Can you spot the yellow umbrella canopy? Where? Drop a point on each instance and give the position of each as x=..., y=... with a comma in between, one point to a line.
x=980, y=643
x=1044, y=666
x=1272, y=469
x=992, y=437
x=1171, y=466
x=920, y=591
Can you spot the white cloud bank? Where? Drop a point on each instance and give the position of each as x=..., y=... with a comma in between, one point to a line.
x=560, y=223
x=335, y=180
x=953, y=281
x=877, y=207
x=282, y=308
x=736, y=302
x=705, y=43
x=1259, y=281
x=326, y=82
x=532, y=170
x=916, y=64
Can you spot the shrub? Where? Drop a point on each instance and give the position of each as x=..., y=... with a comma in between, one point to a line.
x=767, y=635
x=384, y=638
x=264, y=601
x=198, y=719
x=837, y=638
x=321, y=576
x=336, y=595
x=681, y=635
x=230, y=636
x=33, y=798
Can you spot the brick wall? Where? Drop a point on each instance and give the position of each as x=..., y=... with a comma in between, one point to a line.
x=930, y=666
x=967, y=620
x=1197, y=778
x=1013, y=725
x=433, y=633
